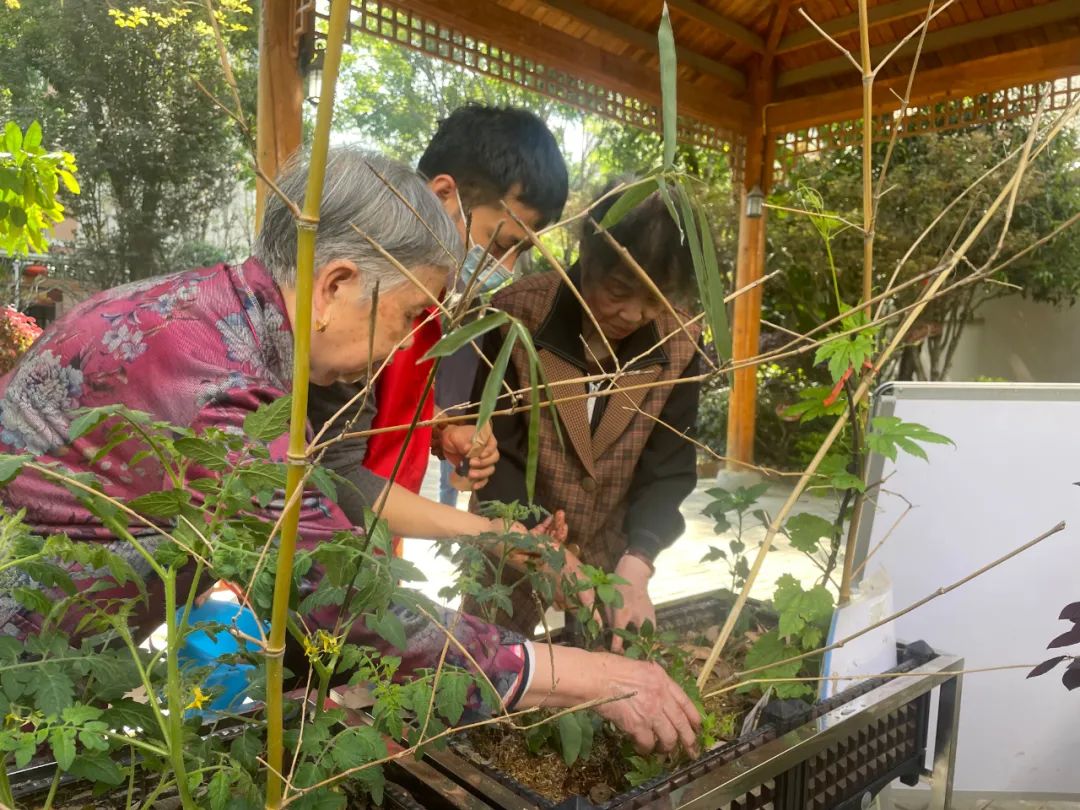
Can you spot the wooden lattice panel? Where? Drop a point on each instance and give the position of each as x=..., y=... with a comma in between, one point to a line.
x=958, y=113
x=390, y=22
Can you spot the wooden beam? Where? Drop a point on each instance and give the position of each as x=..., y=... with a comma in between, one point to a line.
x=499, y=26
x=729, y=28
x=279, y=95
x=849, y=24
x=750, y=259
x=951, y=37
x=1024, y=66
x=646, y=40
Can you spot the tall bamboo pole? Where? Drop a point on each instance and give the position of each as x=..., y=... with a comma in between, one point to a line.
x=307, y=226
x=869, y=207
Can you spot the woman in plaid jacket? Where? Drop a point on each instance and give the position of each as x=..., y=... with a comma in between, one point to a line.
x=623, y=469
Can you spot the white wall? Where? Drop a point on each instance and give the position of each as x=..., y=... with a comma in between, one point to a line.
x=1022, y=341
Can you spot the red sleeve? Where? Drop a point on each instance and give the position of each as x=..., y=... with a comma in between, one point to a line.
x=397, y=394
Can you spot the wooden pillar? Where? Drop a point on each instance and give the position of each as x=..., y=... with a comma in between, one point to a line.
x=750, y=266
x=280, y=94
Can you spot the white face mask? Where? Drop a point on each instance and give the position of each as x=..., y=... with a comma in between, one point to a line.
x=490, y=275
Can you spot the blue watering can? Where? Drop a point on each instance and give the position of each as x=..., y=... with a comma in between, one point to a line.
x=228, y=681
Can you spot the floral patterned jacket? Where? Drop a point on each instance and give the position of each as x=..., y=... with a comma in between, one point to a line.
x=200, y=348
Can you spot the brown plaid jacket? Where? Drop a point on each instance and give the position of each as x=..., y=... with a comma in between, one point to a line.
x=591, y=476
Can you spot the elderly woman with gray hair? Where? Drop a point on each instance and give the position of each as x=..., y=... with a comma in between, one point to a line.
x=207, y=347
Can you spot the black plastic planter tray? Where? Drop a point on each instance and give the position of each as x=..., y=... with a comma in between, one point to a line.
x=831, y=756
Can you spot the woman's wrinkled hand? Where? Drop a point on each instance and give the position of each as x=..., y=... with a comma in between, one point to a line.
x=657, y=715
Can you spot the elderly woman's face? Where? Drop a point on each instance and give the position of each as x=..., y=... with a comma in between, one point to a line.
x=620, y=303
x=345, y=342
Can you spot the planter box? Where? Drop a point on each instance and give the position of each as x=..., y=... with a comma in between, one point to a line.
x=832, y=756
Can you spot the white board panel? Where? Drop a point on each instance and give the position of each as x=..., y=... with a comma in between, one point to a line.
x=1009, y=478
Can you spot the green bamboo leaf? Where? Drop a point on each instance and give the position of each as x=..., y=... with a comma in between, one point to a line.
x=495, y=379
x=534, y=361
x=628, y=200
x=716, y=309
x=533, y=460
x=668, y=76
x=450, y=343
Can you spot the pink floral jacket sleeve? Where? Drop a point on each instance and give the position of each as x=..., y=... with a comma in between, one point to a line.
x=201, y=348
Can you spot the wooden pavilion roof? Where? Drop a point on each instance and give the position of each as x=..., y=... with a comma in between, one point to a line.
x=738, y=56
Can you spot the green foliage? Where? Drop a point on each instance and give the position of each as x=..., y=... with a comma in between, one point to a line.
x=157, y=158
x=804, y=617
x=30, y=179
x=742, y=502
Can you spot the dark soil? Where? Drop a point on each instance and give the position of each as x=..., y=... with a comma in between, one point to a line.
x=603, y=775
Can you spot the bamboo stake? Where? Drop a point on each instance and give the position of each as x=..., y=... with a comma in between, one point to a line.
x=307, y=227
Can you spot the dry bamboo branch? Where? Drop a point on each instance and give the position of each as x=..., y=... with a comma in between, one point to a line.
x=830, y=40
x=862, y=391
x=915, y=673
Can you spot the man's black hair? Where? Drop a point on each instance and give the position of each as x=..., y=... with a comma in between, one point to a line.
x=649, y=234
x=489, y=150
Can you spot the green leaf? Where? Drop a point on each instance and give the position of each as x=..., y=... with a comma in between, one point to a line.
x=389, y=627
x=668, y=83
x=716, y=308
x=220, y=788
x=323, y=479
x=450, y=343
x=32, y=139
x=78, y=714
x=806, y=531
x=570, y=738
x=166, y=503
x=628, y=200
x=452, y=694
x=890, y=434
x=202, y=452
x=11, y=466
x=357, y=745
x=13, y=137
x=127, y=713
x=54, y=692
x=270, y=420
x=495, y=379
x=97, y=768
x=62, y=742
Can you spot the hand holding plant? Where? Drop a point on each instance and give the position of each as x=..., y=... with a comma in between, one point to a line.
x=636, y=608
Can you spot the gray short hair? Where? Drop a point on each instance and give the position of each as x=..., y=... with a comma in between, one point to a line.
x=360, y=190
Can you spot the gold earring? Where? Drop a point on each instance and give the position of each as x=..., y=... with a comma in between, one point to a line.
x=321, y=324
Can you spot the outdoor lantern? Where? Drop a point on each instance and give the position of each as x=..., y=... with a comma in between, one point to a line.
x=755, y=202
x=313, y=74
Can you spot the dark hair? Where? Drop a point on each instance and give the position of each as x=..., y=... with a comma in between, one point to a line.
x=650, y=235
x=489, y=150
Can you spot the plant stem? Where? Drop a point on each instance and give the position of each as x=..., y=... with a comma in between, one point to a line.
x=173, y=686
x=53, y=787
x=307, y=228
x=5, y=785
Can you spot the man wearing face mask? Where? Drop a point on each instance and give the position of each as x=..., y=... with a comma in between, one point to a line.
x=479, y=159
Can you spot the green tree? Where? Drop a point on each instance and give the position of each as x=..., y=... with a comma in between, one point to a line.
x=927, y=174
x=156, y=156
